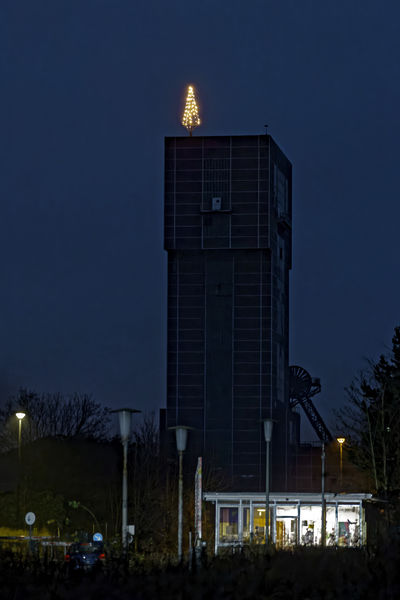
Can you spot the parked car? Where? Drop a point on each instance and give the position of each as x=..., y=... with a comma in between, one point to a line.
x=85, y=555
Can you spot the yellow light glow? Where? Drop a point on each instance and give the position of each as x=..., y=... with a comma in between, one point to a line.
x=190, y=118
x=20, y=415
x=341, y=440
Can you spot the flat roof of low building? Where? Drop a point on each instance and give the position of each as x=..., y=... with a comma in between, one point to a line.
x=285, y=497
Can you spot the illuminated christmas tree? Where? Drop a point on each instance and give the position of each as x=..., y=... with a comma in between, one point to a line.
x=190, y=118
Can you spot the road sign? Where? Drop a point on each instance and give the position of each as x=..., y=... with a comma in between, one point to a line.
x=30, y=518
x=97, y=537
x=131, y=533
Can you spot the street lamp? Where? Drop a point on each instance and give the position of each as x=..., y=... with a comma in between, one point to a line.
x=323, y=507
x=181, y=433
x=20, y=416
x=341, y=441
x=125, y=415
x=268, y=425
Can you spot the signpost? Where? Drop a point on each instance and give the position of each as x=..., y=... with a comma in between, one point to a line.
x=198, y=502
x=30, y=518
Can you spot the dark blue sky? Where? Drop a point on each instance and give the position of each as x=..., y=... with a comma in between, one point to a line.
x=89, y=90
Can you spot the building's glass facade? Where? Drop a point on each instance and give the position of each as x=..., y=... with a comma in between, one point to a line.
x=228, y=238
x=295, y=519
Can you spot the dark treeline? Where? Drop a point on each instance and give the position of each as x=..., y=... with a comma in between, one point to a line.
x=370, y=420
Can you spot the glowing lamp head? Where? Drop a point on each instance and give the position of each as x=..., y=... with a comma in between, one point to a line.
x=20, y=415
x=341, y=440
x=190, y=118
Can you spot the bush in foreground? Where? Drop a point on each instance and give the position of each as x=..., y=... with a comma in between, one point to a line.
x=299, y=574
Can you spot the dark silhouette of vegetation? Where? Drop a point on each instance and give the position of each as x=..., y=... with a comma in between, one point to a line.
x=74, y=472
x=298, y=574
x=153, y=495
x=371, y=421
x=73, y=485
x=51, y=415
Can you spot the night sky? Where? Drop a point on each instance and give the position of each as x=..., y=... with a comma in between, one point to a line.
x=89, y=90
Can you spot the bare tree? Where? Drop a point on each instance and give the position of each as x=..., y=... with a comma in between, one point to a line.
x=153, y=494
x=50, y=415
x=147, y=493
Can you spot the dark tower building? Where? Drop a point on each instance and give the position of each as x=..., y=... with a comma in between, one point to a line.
x=228, y=213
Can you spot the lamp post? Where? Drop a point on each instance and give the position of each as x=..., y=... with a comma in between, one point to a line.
x=341, y=441
x=181, y=433
x=20, y=416
x=268, y=425
x=323, y=508
x=125, y=415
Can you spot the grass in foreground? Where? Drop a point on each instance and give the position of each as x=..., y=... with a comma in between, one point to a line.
x=300, y=574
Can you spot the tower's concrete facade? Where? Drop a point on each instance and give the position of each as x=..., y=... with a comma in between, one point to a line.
x=228, y=235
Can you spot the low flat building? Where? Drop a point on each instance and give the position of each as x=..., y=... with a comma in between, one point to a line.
x=295, y=519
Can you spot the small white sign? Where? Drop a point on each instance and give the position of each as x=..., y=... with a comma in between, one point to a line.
x=30, y=518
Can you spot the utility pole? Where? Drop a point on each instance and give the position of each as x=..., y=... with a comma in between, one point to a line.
x=323, y=506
